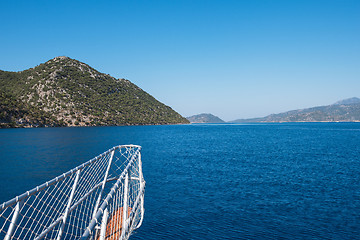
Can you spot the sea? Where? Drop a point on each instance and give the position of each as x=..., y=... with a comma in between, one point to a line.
x=213, y=181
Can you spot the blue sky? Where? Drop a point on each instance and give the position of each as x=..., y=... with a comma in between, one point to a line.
x=235, y=59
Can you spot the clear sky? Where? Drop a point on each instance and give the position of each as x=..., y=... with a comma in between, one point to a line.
x=235, y=59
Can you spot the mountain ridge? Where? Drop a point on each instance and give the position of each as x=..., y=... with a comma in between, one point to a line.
x=347, y=110
x=67, y=92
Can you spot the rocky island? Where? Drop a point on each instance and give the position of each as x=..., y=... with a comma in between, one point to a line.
x=205, y=118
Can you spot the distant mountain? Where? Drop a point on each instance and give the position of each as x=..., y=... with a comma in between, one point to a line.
x=66, y=92
x=205, y=118
x=347, y=110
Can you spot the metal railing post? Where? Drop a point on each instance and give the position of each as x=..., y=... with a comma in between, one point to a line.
x=66, y=213
x=103, y=225
x=140, y=172
x=14, y=220
x=141, y=183
x=103, y=183
x=125, y=206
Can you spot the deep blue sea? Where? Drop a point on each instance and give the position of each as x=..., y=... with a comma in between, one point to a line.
x=259, y=181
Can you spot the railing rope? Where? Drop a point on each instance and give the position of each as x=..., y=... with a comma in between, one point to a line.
x=72, y=207
x=66, y=213
x=103, y=183
x=89, y=230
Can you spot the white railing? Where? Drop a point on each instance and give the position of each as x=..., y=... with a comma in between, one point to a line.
x=100, y=199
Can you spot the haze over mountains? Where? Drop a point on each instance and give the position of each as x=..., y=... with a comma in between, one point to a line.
x=67, y=92
x=347, y=110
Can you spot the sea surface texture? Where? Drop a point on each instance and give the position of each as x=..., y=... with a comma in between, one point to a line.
x=262, y=181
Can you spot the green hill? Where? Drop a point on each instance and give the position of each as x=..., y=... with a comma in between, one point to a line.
x=66, y=92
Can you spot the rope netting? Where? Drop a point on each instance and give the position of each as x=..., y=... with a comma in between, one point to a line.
x=100, y=199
